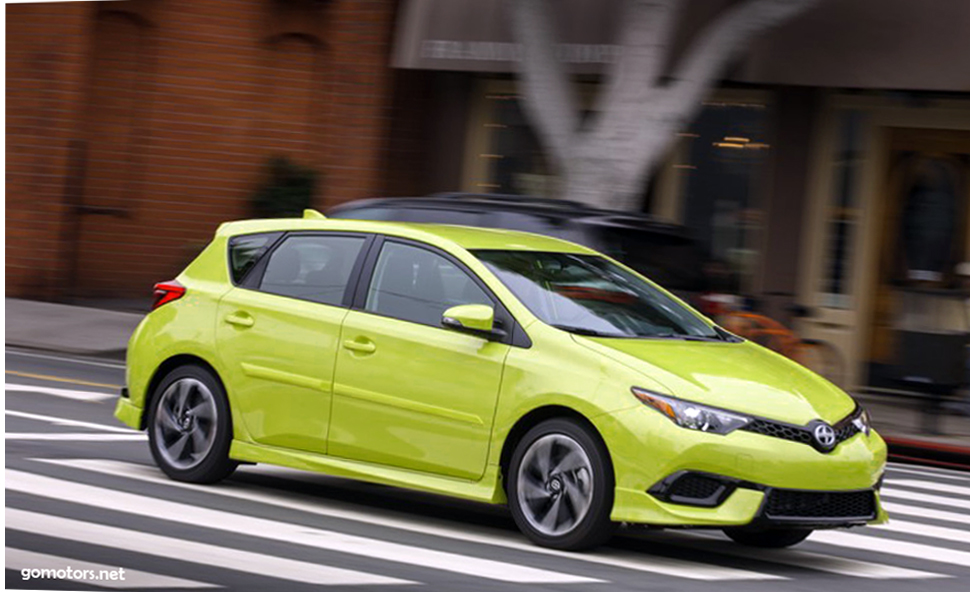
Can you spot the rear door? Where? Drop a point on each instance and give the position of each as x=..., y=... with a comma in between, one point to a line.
x=408, y=392
x=277, y=334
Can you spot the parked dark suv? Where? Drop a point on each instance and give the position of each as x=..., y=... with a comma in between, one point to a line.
x=661, y=251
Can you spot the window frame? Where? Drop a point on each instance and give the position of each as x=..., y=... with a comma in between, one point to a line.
x=254, y=278
x=274, y=238
x=515, y=334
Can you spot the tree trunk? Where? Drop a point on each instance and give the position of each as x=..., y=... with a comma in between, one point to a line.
x=639, y=112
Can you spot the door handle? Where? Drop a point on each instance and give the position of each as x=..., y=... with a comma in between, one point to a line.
x=240, y=319
x=364, y=347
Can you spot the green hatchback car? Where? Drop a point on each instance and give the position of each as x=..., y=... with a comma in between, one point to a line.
x=496, y=366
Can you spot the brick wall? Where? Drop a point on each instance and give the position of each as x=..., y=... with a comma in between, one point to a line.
x=168, y=111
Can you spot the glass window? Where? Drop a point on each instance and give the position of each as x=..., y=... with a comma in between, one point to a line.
x=315, y=268
x=843, y=213
x=721, y=164
x=589, y=295
x=245, y=251
x=418, y=285
x=364, y=214
x=439, y=216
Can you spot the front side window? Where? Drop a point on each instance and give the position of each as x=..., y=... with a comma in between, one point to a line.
x=589, y=295
x=315, y=268
x=415, y=284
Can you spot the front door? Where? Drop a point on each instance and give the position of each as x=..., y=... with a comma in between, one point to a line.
x=408, y=392
x=278, y=339
x=923, y=239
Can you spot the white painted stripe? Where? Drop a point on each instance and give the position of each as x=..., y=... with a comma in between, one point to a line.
x=610, y=557
x=934, y=471
x=59, y=392
x=61, y=421
x=54, y=437
x=951, y=475
x=893, y=493
x=91, y=573
x=86, y=362
x=892, y=547
x=716, y=543
x=280, y=531
x=932, y=486
x=920, y=512
x=926, y=530
x=189, y=551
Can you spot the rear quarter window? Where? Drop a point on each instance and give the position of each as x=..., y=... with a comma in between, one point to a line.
x=245, y=251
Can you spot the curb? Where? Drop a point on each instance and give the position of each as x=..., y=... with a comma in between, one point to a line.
x=916, y=451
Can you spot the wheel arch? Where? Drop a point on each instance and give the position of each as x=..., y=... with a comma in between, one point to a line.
x=167, y=366
x=539, y=415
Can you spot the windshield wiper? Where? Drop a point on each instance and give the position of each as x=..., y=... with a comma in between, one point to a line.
x=585, y=331
x=684, y=337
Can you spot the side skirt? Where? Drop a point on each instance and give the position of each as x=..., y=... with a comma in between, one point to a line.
x=488, y=489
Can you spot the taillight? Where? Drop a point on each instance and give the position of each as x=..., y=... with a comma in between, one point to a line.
x=166, y=292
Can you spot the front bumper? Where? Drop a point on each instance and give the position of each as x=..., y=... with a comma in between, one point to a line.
x=754, y=464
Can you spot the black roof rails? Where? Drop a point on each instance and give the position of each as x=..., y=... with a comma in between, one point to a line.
x=519, y=199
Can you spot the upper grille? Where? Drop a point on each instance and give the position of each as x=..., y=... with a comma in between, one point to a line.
x=844, y=429
x=790, y=503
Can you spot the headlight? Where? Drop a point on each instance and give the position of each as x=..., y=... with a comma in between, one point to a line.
x=863, y=422
x=692, y=416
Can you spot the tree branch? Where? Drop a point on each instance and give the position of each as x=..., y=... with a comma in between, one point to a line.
x=717, y=44
x=544, y=85
x=647, y=28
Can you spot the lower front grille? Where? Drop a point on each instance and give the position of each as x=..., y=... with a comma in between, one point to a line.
x=695, y=486
x=796, y=504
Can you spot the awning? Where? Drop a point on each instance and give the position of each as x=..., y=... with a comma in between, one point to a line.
x=888, y=44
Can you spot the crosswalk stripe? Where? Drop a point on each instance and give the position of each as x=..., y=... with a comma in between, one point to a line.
x=892, y=547
x=932, y=486
x=61, y=421
x=59, y=392
x=89, y=495
x=633, y=561
x=920, y=512
x=189, y=551
x=952, y=475
x=926, y=530
x=893, y=493
x=91, y=573
x=56, y=436
x=804, y=559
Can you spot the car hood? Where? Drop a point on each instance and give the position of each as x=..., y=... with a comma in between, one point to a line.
x=742, y=377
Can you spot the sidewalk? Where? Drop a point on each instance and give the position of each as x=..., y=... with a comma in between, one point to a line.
x=104, y=333
x=69, y=329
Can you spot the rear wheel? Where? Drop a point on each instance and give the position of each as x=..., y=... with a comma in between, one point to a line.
x=768, y=538
x=189, y=428
x=560, y=486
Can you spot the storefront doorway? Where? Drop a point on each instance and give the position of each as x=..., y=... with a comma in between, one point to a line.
x=922, y=240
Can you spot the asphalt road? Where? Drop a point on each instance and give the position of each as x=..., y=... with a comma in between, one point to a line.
x=82, y=492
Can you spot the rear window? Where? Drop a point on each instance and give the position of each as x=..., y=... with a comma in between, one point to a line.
x=676, y=263
x=245, y=251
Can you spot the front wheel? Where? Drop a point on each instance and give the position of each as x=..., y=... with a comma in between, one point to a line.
x=189, y=428
x=770, y=538
x=560, y=486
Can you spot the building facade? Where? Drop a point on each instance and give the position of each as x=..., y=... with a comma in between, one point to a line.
x=830, y=169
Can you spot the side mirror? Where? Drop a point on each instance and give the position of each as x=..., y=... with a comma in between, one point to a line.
x=477, y=319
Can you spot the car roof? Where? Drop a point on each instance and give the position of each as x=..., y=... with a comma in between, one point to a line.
x=466, y=237
x=537, y=206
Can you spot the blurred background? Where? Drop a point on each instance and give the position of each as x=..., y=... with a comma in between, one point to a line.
x=823, y=182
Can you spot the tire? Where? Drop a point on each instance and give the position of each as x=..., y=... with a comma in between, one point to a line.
x=190, y=427
x=581, y=493
x=770, y=538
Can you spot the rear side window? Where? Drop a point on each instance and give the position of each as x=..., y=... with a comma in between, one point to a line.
x=245, y=251
x=315, y=268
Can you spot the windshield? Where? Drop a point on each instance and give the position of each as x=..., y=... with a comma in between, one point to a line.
x=589, y=295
